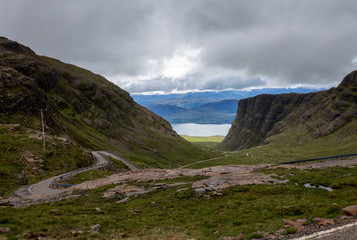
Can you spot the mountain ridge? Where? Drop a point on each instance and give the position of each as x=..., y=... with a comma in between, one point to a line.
x=93, y=112
x=203, y=107
x=318, y=114
x=221, y=112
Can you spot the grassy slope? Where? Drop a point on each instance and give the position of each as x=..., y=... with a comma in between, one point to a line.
x=215, y=139
x=290, y=146
x=83, y=107
x=211, y=141
x=152, y=148
x=183, y=215
x=16, y=146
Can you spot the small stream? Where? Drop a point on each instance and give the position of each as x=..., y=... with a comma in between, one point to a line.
x=308, y=185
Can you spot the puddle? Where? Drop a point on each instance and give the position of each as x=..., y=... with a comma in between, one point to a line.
x=282, y=181
x=308, y=185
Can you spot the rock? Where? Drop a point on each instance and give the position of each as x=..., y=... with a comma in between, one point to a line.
x=124, y=200
x=98, y=210
x=227, y=180
x=351, y=210
x=280, y=231
x=66, y=142
x=122, y=235
x=95, y=228
x=15, y=127
x=159, y=186
x=200, y=190
x=325, y=222
x=289, y=223
x=54, y=211
x=4, y=230
x=269, y=236
x=181, y=189
x=122, y=189
x=220, y=177
x=71, y=196
x=4, y=202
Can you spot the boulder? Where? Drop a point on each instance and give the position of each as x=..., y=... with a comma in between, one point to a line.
x=54, y=211
x=4, y=230
x=289, y=223
x=325, y=222
x=351, y=210
x=95, y=228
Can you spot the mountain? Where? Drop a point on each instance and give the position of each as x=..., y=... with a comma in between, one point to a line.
x=296, y=118
x=225, y=106
x=84, y=107
x=187, y=100
x=194, y=99
x=166, y=111
x=209, y=113
x=203, y=107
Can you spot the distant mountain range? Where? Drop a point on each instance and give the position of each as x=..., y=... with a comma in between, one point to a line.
x=203, y=107
x=214, y=113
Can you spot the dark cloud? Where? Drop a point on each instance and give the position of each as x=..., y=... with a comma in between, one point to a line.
x=147, y=45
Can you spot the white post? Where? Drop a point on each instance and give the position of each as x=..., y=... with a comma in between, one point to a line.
x=43, y=131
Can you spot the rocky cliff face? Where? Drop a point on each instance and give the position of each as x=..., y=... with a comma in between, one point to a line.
x=319, y=114
x=90, y=110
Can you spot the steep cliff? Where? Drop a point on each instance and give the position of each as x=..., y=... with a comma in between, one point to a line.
x=314, y=114
x=91, y=111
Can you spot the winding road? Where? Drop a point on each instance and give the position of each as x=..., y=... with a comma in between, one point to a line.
x=43, y=190
x=130, y=165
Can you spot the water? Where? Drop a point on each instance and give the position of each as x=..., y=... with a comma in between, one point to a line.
x=308, y=185
x=201, y=130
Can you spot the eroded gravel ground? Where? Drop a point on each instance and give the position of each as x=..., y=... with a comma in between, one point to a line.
x=309, y=230
x=219, y=177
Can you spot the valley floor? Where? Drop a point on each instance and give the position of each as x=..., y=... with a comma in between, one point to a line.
x=237, y=200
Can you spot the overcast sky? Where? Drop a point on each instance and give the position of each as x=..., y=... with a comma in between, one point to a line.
x=182, y=45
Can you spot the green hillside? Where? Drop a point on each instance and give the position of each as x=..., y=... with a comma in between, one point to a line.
x=84, y=108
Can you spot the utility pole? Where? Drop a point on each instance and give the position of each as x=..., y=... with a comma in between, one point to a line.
x=43, y=131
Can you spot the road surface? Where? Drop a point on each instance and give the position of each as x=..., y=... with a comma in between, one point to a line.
x=42, y=189
x=345, y=232
x=126, y=162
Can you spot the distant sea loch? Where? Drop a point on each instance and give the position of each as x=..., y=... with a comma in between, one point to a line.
x=201, y=130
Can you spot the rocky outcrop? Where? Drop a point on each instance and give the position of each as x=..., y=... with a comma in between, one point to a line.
x=218, y=178
x=319, y=114
x=257, y=116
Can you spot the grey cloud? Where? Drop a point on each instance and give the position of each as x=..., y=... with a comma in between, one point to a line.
x=193, y=83
x=283, y=42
